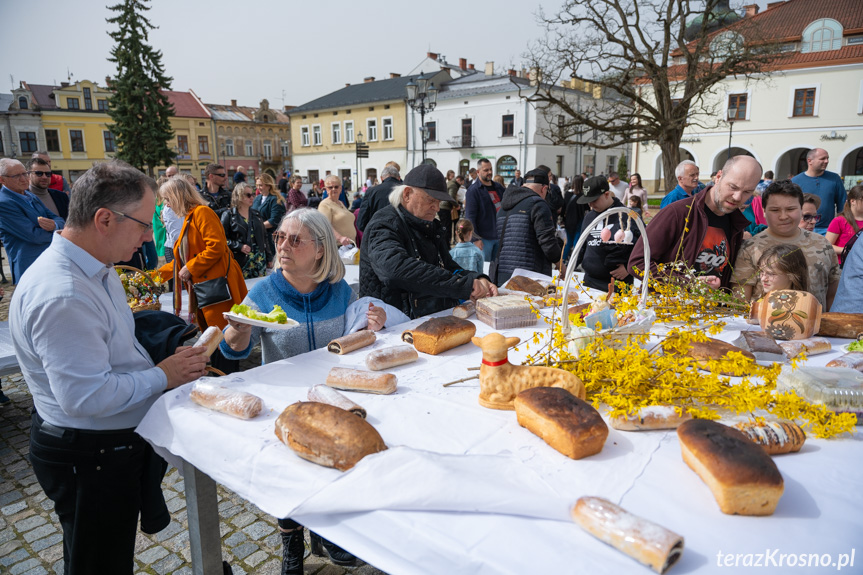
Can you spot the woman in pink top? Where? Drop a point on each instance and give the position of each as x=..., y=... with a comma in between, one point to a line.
x=845, y=225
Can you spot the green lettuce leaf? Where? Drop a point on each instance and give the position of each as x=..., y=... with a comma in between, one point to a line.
x=278, y=315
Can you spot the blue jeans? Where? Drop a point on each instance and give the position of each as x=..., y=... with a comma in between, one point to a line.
x=489, y=249
x=570, y=243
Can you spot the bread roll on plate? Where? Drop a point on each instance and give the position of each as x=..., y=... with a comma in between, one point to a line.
x=327, y=435
x=643, y=540
x=743, y=478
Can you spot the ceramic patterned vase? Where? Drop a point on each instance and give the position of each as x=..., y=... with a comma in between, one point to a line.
x=789, y=314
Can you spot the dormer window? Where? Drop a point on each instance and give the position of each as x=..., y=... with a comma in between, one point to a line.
x=22, y=103
x=822, y=35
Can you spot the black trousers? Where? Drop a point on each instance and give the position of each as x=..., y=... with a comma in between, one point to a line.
x=99, y=483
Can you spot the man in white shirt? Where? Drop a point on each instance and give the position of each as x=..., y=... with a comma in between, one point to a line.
x=91, y=380
x=617, y=187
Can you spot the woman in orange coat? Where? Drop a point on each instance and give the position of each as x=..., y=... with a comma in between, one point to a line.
x=202, y=251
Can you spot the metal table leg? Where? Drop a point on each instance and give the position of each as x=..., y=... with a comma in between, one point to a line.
x=203, y=517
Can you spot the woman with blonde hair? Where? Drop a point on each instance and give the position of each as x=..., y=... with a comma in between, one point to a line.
x=340, y=218
x=245, y=232
x=201, y=254
x=271, y=206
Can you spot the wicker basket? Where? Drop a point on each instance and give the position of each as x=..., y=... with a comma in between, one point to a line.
x=132, y=271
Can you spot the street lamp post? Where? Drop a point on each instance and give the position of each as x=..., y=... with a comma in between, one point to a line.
x=422, y=98
x=521, y=160
x=732, y=115
x=359, y=143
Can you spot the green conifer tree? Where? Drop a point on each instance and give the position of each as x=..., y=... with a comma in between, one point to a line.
x=622, y=168
x=141, y=112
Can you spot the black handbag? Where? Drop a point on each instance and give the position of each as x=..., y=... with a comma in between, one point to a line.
x=212, y=292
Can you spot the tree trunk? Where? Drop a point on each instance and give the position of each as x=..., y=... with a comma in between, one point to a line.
x=670, y=159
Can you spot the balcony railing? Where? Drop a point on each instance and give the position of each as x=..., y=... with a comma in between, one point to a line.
x=462, y=142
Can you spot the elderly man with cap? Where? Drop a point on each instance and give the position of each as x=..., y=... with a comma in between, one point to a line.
x=604, y=261
x=526, y=229
x=405, y=259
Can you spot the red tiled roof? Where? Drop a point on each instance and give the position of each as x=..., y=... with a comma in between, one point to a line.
x=787, y=20
x=43, y=94
x=186, y=105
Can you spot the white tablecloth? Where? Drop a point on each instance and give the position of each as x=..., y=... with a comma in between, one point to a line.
x=464, y=489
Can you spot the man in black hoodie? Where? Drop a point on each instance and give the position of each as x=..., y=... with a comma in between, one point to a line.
x=526, y=230
x=604, y=260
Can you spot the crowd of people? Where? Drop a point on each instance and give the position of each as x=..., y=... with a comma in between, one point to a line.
x=428, y=241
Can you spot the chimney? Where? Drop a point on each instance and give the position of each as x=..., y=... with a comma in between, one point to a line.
x=395, y=75
x=64, y=84
x=471, y=67
x=751, y=10
x=368, y=79
x=234, y=103
x=462, y=63
x=511, y=72
x=107, y=81
x=534, y=76
x=347, y=84
x=432, y=55
x=489, y=68
x=774, y=4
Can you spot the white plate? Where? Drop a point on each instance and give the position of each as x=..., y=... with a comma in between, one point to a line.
x=260, y=323
x=846, y=350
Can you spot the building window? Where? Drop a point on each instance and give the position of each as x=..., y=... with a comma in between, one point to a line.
x=52, y=140
x=611, y=164
x=22, y=103
x=102, y=105
x=337, y=133
x=738, y=102
x=822, y=35
x=349, y=132
x=183, y=145
x=268, y=150
x=77, y=139
x=286, y=149
x=804, y=102
x=28, y=142
x=110, y=144
x=250, y=148
x=372, y=128
x=203, y=145
x=72, y=103
x=507, y=129
x=229, y=147
x=304, y=136
x=88, y=99
x=431, y=130
x=388, y=128
x=317, y=139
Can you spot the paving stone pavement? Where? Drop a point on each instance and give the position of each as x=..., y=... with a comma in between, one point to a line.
x=31, y=540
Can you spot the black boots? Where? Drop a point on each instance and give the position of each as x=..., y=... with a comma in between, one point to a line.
x=293, y=550
x=323, y=548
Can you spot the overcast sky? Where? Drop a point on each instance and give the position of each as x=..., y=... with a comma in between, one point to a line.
x=253, y=49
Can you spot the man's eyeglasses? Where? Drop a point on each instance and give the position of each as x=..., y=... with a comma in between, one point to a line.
x=17, y=175
x=42, y=174
x=147, y=226
x=294, y=240
x=812, y=218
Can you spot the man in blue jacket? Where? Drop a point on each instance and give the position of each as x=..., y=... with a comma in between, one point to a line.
x=26, y=225
x=481, y=203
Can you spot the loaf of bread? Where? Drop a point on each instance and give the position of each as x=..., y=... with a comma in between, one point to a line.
x=759, y=342
x=440, y=334
x=229, y=401
x=527, y=285
x=743, y=478
x=327, y=435
x=388, y=357
x=568, y=424
x=716, y=350
x=776, y=437
x=844, y=325
x=211, y=338
x=648, y=418
x=328, y=395
x=852, y=360
x=643, y=540
x=812, y=346
x=352, y=341
x=464, y=310
x=363, y=381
